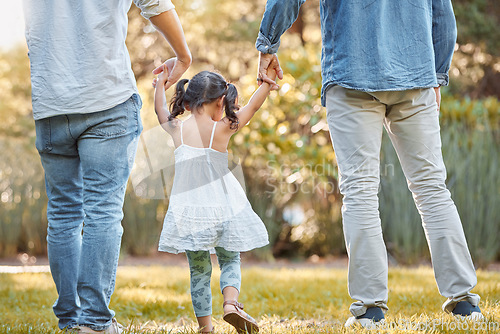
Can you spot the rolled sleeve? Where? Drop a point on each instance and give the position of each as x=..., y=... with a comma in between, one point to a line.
x=150, y=8
x=264, y=45
x=443, y=79
x=278, y=17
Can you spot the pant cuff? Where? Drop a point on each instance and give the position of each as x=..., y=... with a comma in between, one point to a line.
x=359, y=308
x=450, y=303
x=202, y=314
x=236, y=286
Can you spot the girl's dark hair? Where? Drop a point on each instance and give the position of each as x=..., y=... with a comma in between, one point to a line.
x=205, y=87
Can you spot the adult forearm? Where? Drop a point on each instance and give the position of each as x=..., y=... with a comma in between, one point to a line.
x=259, y=97
x=169, y=25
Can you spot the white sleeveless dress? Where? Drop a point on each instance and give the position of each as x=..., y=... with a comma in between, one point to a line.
x=208, y=207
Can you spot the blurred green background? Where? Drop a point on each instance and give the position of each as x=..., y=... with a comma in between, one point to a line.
x=286, y=154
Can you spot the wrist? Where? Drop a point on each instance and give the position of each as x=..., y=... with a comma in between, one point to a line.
x=161, y=83
x=185, y=58
x=265, y=84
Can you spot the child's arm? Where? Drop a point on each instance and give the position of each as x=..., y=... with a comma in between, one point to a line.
x=161, y=107
x=258, y=98
x=256, y=101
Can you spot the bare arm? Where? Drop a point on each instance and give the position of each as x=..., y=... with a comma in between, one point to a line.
x=168, y=24
x=258, y=98
x=246, y=113
x=161, y=107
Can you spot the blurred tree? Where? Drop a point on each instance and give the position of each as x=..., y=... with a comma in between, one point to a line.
x=280, y=156
x=22, y=195
x=286, y=153
x=478, y=22
x=16, y=118
x=476, y=65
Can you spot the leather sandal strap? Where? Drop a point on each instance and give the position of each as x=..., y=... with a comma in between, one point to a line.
x=234, y=303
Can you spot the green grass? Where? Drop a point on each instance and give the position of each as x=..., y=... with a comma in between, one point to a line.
x=300, y=300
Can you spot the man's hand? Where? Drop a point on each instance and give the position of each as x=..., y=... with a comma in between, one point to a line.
x=175, y=69
x=437, y=90
x=269, y=62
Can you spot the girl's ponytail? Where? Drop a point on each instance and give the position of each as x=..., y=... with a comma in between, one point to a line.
x=205, y=87
x=231, y=106
x=177, y=102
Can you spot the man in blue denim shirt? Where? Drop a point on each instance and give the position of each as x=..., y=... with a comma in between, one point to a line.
x=382, y=64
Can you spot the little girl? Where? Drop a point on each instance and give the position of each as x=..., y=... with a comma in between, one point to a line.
x=208, y=207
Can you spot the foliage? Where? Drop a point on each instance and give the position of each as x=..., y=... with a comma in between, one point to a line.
x=16, y=119
x=477, y=22
x=22, y=193
x=23, y=220
x=475, y=69
x=285, y=151
x=292, y=300
x=470, y=136
x=473, y=162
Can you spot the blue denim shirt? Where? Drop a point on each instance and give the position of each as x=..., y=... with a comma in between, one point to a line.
x=374, y=45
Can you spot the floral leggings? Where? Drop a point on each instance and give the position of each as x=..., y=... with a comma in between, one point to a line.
x=200, y=267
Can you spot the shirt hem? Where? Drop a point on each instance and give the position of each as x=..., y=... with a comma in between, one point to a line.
x=173, y=250
x=37, y=116
x=329, y=84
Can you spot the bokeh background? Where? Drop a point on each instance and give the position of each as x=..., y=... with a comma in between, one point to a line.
x=285, y=153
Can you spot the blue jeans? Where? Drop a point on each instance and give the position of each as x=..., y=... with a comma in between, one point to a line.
x=87, y=160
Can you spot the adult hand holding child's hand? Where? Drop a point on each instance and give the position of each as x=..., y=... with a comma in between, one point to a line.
x=269, y=66
x=272, y=71
x=162, y=76
x=174, y=68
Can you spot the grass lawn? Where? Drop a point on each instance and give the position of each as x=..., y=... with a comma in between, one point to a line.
x=156, y=299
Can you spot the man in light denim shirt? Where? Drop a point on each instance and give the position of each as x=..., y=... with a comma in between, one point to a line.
x=87, y=120
x=382, y=64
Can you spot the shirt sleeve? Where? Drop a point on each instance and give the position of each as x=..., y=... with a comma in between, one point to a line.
x=444, y=37
x=150, y=8
x=279, y=15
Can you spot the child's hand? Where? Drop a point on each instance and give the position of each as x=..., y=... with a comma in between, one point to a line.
x=272, y=70
x=162, y=76
x=164, y=72
x=268, y=63
x=171, y=71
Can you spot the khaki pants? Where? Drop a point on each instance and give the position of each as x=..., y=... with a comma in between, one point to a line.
x=356, y=120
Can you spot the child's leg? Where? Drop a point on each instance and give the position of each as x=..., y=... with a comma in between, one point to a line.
x=200, y=268
x=230, y=277
x=230, y=282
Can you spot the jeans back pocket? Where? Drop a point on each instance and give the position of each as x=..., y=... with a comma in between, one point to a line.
x=43, y=141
